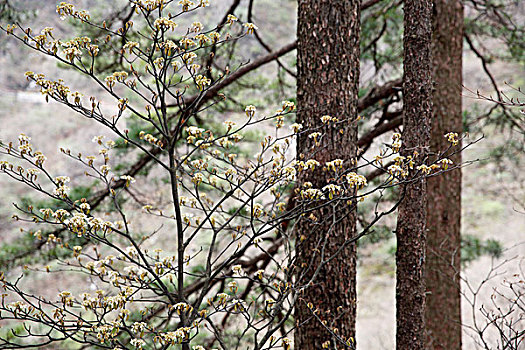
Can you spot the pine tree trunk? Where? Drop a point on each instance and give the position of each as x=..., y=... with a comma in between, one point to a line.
x=327, y=84
x=443, y=312
x=411, y=224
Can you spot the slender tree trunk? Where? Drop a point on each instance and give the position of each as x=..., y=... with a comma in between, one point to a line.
x=443, y=312
x=411, y=224
x=327, y=84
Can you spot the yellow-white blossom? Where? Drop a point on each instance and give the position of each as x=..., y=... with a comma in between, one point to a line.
x=425, y=169
x=258, y=210
x=312, y=163
x=445, y=162
x=237, y=269
x=164, y=23
x=286, y=343
x=138, y=343
x=129, y=179
x=196, y=27
x=332, y=190
x=312, y=194
x=202, y=81
x=250, y=28
x=356, y=180
x=250, y=110
x=231, y=19
x=452, y=137
x=335, y=164
x=197, y=178
x=214, y=36
x=259, y=274
x=288, y=106
x=182, y=308
x=296, y=127
x=130, y=45
x=186, y=4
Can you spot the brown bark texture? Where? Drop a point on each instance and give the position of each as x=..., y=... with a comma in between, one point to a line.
x=443, y=309
x=327, y=84
x=411, y=222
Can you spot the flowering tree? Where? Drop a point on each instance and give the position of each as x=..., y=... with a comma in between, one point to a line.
x=228, y=280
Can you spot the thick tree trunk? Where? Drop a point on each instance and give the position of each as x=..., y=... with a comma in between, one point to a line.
x=411, y=224
x=443, y=312
x=327, y=84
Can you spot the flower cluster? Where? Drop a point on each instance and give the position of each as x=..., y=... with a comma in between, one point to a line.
x=231, y=19
x=332, y=190
x=150, y=139
x=250, y=28
x=326, y=119
x=66, y=9
x=25, y=146
x=61, y=189
x=452, y=137
x=56, y=89
x=356, y=181
x=181, y=308
x=115, y=77
x=335, y=164
x=396, y=142
x=130, y=45
x=164, y=23
x=150, y=5
x=202, y=82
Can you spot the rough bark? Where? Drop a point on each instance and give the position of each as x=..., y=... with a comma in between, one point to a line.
x=411, y=222
x=443, y=312
x=327, y=84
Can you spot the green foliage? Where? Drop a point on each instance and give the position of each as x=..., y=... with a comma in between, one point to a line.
x=381, y=233
x=380, y=32
x=26, y=250
x=473, y=247
x=11, y=14
x=8, y=332
x=503, y=29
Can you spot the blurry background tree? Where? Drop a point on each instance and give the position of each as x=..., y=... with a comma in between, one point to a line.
x=443, y=257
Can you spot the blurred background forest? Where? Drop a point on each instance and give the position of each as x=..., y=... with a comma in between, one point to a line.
x=493, y=217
